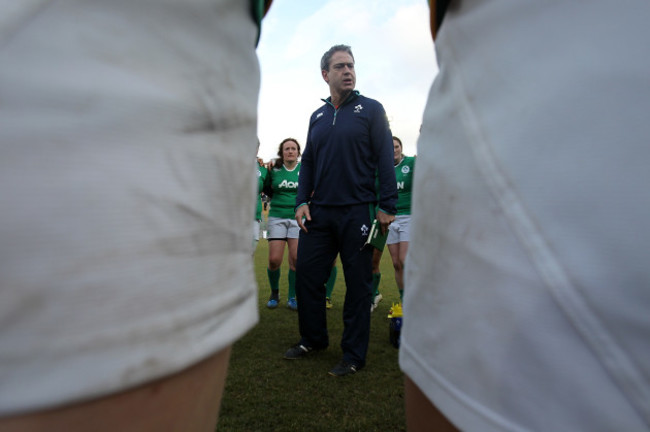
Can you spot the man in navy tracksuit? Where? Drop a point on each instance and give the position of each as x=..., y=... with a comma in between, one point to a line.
x=349, y=140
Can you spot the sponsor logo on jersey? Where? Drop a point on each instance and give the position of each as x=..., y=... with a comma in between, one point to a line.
x=288, y=184
x=319, y=115
x=364, y=230
x=400, y=185
x=357, y=109
x=406, y=169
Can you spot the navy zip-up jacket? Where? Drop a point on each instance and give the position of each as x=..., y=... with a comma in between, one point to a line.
x=345, y=148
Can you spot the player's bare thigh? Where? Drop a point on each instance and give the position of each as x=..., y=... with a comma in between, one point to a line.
x=421, y=414
x=186, y=401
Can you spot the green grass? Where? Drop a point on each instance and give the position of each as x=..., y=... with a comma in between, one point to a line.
x=264, y=392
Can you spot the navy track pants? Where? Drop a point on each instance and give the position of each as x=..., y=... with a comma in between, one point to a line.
x=336, y=230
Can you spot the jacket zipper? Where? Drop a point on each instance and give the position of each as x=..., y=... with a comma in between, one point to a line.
x=336, y=110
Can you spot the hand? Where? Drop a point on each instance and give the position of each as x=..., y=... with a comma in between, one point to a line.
x=384, y=220
x=260, y=161
x=303, y=214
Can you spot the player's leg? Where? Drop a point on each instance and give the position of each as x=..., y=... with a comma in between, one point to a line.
x=292, y=244
x=393, y=249
x=276, y=252
x=329, y=286
x=277, y=240
x=188, y=400
x=393, y=242
x=421, y=414
x=398, y=255
x=293, y=232
x=376, y=277
x=399, y=278
x=404, y=238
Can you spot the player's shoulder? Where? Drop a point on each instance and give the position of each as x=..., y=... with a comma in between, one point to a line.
x=276, y=172
x=406, y=166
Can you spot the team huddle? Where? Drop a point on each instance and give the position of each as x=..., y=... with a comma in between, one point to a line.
x=126, y=274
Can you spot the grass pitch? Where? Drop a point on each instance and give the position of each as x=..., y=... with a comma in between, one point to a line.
x=265, y=392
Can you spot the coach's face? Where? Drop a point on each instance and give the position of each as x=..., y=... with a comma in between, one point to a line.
x=340, y=76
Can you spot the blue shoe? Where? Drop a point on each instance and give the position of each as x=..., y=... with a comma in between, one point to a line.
x=292, y=303
x=272, y=303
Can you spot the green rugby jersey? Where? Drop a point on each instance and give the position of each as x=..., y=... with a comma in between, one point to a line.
x=404, y=174
x=284, y=184
x=262, y=174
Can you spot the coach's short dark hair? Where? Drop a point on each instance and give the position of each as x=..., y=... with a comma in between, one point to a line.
x=325, y=60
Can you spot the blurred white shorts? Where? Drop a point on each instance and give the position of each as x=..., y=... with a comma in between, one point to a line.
x=124, y=243
x=528, y=284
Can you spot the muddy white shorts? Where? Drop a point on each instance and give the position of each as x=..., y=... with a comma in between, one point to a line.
x=125, y=221
x=527, y=291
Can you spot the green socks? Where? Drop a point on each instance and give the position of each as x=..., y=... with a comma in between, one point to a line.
x=329, y=285
x=376, y=277
x=274, y=279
